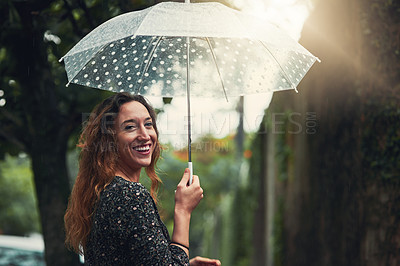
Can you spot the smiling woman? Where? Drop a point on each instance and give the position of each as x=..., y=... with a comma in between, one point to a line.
x=111, y=218
x=136, y=138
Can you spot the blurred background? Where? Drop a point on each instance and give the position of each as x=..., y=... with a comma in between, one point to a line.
x=290, y=179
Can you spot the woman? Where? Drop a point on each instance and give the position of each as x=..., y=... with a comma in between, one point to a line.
x=111, y=218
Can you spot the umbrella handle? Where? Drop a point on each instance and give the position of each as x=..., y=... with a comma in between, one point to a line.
x=190, y=166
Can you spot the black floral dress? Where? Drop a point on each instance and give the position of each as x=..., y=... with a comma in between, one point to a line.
x=127, y=229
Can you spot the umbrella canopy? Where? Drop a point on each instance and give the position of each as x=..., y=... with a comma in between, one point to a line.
x=145, y=52
x=182, y=49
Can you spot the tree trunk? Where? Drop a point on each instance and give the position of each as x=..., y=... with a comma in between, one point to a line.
x=340, y=180
x=44, y=129
x=52, y=190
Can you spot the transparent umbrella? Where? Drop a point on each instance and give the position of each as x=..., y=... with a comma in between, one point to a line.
x=183, y=49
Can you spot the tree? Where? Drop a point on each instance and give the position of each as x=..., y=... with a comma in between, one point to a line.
x=38, y=114
x=336, y=183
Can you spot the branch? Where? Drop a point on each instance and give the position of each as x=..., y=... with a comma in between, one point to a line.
x=12, y=139
x=71, y=18
x=89, y=18
x=14, y=119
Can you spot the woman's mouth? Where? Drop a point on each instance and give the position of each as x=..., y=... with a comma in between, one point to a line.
x=143, y=149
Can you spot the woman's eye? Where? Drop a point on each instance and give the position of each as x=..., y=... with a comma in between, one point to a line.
x=130, y=127
x=149, y=124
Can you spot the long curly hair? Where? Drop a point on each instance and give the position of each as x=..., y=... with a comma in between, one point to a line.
x=97, y=166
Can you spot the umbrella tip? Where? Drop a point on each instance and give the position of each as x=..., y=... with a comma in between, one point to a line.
x=319, y=60
x=67, y=84
x=61, y=59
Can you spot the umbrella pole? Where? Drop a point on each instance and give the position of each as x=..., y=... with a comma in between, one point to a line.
x=190, y=165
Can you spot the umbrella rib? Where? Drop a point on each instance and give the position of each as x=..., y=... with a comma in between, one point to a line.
x=146, y=67
x=283, y=71
x=216, y=65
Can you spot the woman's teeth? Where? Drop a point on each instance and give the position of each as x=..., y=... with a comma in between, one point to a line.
x=142, y=148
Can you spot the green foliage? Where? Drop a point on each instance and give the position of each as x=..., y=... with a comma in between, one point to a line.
x=18, y=207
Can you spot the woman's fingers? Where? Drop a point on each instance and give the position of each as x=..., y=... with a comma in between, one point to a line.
x=187, y=197
x=198, y=261
x=185, y=177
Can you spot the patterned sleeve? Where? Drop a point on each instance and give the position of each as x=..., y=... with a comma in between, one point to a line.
x=142, y=230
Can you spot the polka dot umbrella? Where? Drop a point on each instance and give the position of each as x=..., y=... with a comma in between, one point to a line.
x=182, y=49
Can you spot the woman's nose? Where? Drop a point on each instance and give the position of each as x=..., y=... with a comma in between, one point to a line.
x=143, y=133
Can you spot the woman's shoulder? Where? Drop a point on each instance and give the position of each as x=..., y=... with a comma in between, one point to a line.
x=124, y=190
x=122, y=196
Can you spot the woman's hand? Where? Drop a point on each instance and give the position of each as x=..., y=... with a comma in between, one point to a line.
x=200, y=261
x=187, y=197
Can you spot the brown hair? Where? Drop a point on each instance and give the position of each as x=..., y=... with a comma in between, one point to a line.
x=97, y=166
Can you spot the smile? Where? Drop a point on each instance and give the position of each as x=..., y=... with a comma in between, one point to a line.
x=142, y=148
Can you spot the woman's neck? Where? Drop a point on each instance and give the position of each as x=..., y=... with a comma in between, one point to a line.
x=129, y=175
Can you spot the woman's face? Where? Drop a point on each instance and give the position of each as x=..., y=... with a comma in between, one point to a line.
x=136, y=136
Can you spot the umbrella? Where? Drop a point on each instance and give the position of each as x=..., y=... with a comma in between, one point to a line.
x=183, y=49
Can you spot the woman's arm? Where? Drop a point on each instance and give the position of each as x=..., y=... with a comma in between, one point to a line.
x=187, y=197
